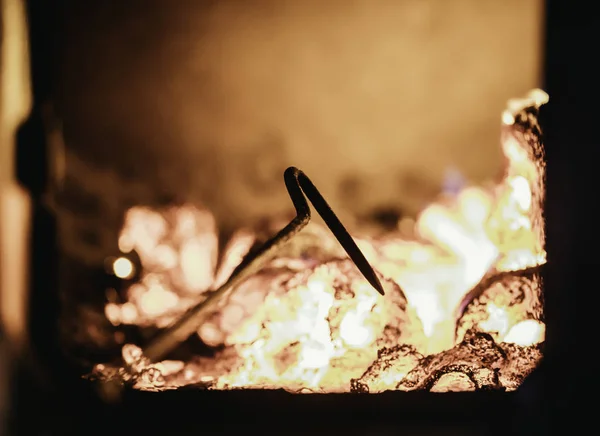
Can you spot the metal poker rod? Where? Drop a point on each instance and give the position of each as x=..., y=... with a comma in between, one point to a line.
x=298, y=185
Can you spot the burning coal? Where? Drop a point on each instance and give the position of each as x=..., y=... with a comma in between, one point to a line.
x=462, y=308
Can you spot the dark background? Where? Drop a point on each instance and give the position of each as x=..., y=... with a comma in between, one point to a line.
x=557, y=394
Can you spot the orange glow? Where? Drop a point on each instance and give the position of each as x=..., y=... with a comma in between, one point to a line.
x=310, y=321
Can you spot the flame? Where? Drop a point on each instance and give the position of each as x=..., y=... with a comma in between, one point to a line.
x=310, y=321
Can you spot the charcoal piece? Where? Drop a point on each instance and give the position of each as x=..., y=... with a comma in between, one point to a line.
x=249, y=296
x=402, y=324
x=137, y=371
x=525, y=131
x=500, y=302
x=333, y=312
x=454, y=382
x=391, y=366
x=476, y=357
x=520, y=363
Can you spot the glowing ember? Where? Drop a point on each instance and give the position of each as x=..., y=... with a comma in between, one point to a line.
x=462, y=311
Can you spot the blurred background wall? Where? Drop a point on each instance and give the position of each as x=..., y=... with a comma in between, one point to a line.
x=210, y=101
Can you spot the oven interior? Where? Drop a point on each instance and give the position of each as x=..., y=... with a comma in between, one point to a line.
x=78, y=403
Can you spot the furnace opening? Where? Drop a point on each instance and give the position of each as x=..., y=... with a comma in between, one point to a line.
x=462, y=310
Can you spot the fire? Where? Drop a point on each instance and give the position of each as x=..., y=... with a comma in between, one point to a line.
x=462, y=284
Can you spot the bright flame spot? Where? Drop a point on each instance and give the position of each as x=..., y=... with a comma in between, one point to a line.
x=123, y=268
x=508, y=118
x=474, y=206
x=420, y=255
x=522, y=192
x=497, y=321
x=353, y=332
x=528, y=332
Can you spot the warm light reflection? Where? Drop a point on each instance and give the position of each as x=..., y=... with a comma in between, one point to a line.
x=123, y=268
x=311, y=321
